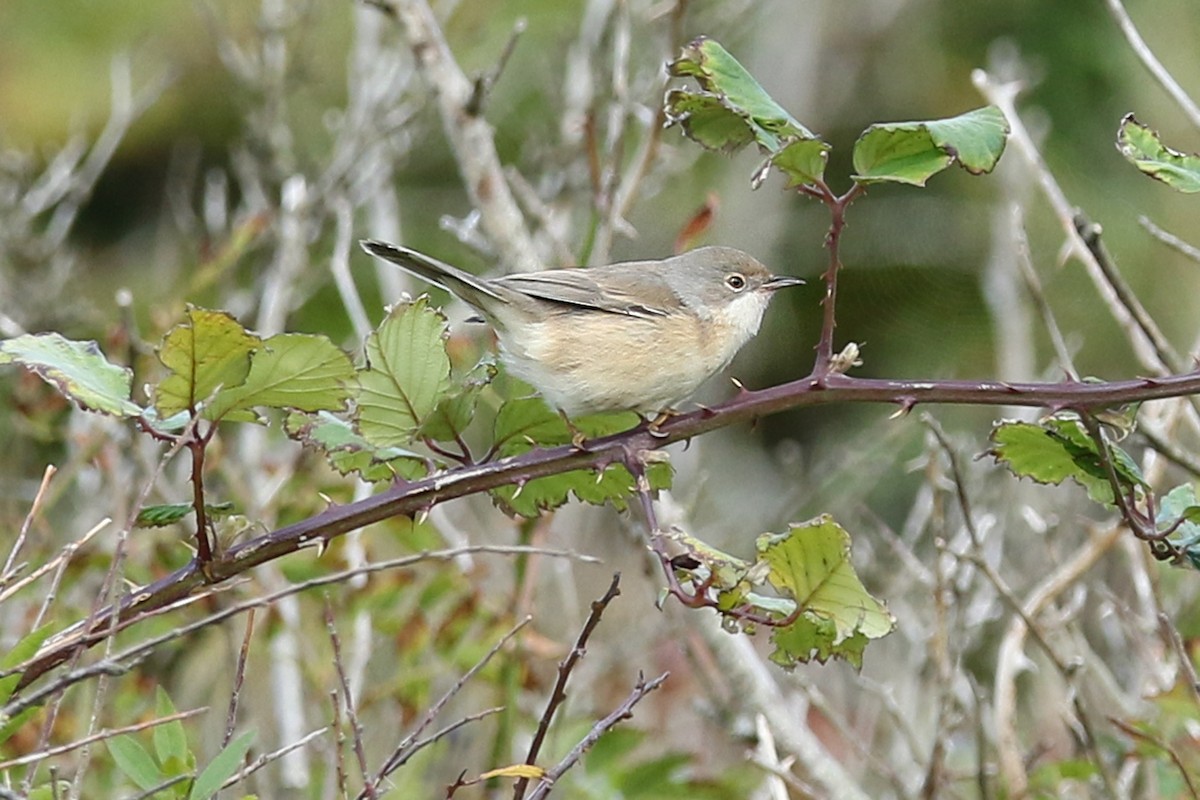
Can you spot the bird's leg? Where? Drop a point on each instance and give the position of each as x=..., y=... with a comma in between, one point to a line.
x=662, y=416
x=577, y=437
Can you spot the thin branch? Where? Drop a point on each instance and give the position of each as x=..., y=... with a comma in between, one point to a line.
x=559, y=693
x=411, y=745
x=1151, y=62
x=99, y=736
x=35, y=507
x=469, y=134
x=623, y=711
x=411, y=497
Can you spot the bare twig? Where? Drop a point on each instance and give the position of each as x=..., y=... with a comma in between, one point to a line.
x=1151, y=62
x=349, y=702
x=559, y=693
x=410, y=745
x=36, y=506
x=99, y=736
x=469, y=135
x=624, y=711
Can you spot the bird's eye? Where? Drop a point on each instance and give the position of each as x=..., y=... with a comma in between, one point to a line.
x=735, y=281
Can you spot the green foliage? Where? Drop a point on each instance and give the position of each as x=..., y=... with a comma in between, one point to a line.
x=21, y=652
x=525, y=423
x=407, y=374
x=172, y=757
x=1179, y=514
x=77, y=369
x=1059, y=448
x=732, y=110
x=819, y=609
x=1141, y=147
x=913, y=152
x=162, y=515
x=208, y=352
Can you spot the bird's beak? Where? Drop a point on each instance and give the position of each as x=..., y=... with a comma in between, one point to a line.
x=782, y=282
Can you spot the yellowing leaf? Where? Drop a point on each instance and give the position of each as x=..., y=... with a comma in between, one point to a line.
x=209, y=351
x=291, y=370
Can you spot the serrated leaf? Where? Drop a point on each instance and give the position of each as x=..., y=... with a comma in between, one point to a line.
x=163, y=514
x=135, y=761
x=348, y=452
x=615, y=485
x=77, y=369
x=209, y=350
x=1141, y=147
x=454, y=412
x=811, y=563
x=407, y=375
x=1181, y=509
x=223, y=766
x=912, y=152
x=527, y=422
x=298, y=371
x=1060, y=448
x=733, y=110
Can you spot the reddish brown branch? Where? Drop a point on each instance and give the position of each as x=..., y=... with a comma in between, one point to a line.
x=411, y=497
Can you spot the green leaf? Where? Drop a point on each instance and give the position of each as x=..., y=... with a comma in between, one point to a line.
x=1181, y=504
x=1141, y=147
x=291, y=370
x=732, y=110
x=455, y=411
x=348, y=452
x=222, y=767
x=170, y=740
x=407, y=374
x=912, y=152
x=21, y=652
x=134, y=761
x=1060, y=448
x=77, y=369
x=811, y=563
x=528, y=422
x=164, y=514
x=209, y=351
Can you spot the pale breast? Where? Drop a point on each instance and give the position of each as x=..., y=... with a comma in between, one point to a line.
x=598, y=361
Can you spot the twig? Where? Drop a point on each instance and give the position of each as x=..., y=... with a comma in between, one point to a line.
x=1003, y=95
x=349, y=701
x=623, y=711
x=34, y=508
x=268, y=758
x=1008, y=660
x=410, y=745
x=469, y=135
x=559, y=693
x=1133, y=732
x=1167, y=626
x=1170, y=239
x=63, y=557
x=239, y=677
x=99, y=736
x=1151, y=62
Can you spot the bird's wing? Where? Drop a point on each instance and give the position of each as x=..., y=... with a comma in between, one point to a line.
x=617, y=289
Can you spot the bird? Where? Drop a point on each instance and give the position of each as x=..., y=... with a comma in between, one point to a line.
x=631, y=336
